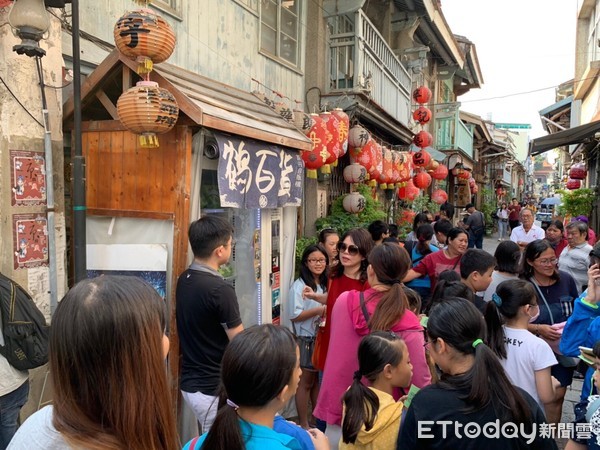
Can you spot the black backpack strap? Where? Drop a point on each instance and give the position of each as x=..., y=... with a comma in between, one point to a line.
x=363, y=306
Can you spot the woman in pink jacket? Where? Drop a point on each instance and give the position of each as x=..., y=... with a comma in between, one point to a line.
x=383, y=307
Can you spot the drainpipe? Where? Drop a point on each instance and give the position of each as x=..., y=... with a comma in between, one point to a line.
x=49, y=191
x=79, y=206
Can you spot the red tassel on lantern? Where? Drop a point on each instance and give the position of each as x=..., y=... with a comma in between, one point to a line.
x=408, y=191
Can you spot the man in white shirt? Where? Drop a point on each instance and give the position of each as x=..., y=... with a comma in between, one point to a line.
x=575, y=257
x=527, y=232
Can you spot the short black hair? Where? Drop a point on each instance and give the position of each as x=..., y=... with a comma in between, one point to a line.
x=469, y=205
x=475, y=260
x=442, y=226
x=207, y=233
x=393, y=229
x=508, y=257
x=378, y=228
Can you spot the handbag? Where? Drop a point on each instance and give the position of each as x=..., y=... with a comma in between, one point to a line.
x=306, y=346
x=565, y=361
x=319, y=350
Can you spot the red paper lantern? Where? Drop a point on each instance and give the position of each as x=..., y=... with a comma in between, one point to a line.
x=471, y=182
x=408, y=191
x=475, y=189
x=422, y=180
x=145, y=37
x=344, y=128
x=315, y=158
x=422, y=94
x=396, y=161
x=358, y=136
x=387, y=174
x=440, y=173
x=332, y=141
x=439, y=196
x=573, y=184
x=405, y=166
x=423, y=139
x=422, y=115
x=421, y=159
x=355, y=173
x=465, y=174
x=578, y=171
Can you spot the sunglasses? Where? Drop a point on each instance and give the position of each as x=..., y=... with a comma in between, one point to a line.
x=352, y=249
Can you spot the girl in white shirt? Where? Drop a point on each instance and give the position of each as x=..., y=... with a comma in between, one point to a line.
x=526, y=358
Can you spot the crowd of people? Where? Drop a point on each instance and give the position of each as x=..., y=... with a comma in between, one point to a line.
x=393, y=344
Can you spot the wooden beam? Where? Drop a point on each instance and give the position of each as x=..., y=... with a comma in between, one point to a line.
x=130, y=213
x=103, y=125
x=127, y=80
x=108, y=104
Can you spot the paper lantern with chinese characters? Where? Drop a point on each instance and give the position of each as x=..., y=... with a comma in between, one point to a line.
x=405, y=166
x=387, y=172
x=422, y=94
x=421, y=158
x=573, y=184
x=578, y=171
x=440, y=173
x=145, y=37
x=355, y=173
x=315, y=158
x=423, y=139
x=422, y=180
x=147, y=109
x=377, y=168
x=358, y=136
x=332, y=142
x=422, y=115
x=344, y=128
x=439, y=196
x=408, y=191
x=302, y=121
x=365, y=155
x=354, y=202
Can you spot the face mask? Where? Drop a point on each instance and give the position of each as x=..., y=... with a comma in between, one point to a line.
x=534, y=318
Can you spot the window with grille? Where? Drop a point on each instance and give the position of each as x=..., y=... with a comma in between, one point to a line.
x=280, y=29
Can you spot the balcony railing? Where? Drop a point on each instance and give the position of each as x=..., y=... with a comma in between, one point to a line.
x=362, y=61
x=450, y=132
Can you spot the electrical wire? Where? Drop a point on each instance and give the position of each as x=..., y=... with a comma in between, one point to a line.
x=19, y=102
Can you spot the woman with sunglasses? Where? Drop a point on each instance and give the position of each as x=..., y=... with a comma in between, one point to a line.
x=447, y=259
x=349, y=274
x=304, y=311
x=381, y=307
x=555, y=290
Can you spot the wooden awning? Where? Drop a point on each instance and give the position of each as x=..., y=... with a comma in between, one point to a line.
x=206, y=102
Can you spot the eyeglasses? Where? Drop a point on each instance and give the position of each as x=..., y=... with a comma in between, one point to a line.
x=352, y=249
x=547, y=262
x=428, y=343
x=317, y=261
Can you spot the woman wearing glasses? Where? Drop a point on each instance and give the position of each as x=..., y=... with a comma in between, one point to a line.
x=381, y=307
x=555, y=290
x=349, y=274
x=305, y=310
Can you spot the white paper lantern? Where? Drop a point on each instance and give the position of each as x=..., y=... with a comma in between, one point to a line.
x=355, y=173
x=354, y=202
x=358, y=136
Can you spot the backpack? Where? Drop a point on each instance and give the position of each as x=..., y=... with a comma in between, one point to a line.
x=23, y=327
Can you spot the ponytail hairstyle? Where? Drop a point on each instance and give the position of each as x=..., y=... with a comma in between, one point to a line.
x=257, y=364
x=460, y=324
x=376, y=350
x=424, y=234
x=510, y=295
x=390, y=264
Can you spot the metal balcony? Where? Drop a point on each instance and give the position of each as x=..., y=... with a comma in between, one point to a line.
x=450, y=132
x=361, y=62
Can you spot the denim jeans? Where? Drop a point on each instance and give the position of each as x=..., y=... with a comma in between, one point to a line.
x=475, y=241
x=10, y=406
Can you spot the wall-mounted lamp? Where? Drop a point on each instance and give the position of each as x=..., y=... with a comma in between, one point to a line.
x=29, y=20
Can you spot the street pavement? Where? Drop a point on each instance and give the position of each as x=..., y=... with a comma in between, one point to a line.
x=574, y=391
